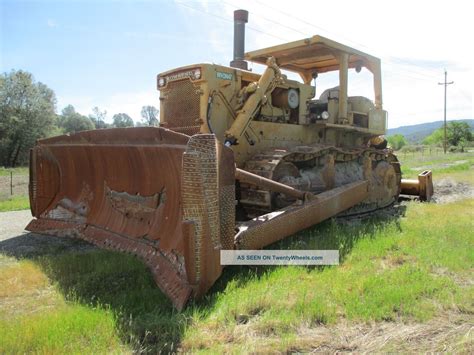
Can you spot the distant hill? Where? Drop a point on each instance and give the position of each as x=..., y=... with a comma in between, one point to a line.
x=416, y=133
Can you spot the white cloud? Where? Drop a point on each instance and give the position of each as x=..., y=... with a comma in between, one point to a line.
x=51, y=23
x=82, y=104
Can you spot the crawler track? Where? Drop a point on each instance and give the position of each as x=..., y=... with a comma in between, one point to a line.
x=320, y=168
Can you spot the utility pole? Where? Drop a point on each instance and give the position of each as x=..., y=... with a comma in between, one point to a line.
x=445, y=88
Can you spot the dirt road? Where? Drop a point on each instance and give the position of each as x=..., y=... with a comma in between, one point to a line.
x=12, y=224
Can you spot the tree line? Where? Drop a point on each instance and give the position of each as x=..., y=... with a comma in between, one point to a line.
x=28, y=113
x=458, y=137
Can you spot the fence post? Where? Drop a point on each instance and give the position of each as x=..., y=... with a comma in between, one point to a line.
x=11, y=183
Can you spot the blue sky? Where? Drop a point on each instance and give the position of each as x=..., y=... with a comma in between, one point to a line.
x=107, y=53
x=89, y=51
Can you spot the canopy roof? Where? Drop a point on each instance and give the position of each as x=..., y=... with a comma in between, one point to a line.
x=312, y=55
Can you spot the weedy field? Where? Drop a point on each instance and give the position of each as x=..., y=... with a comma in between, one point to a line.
x=443, y=165
x=14, y=189
x=404, y=284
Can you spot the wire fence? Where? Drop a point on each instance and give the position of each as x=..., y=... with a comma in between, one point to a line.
x=420, y=151
x=13, y=182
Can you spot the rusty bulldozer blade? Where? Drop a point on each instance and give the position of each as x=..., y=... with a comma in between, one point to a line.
x=163, y=196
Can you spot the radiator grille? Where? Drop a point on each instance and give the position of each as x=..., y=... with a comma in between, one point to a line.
x=181, y=107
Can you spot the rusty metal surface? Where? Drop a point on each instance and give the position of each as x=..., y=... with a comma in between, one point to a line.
x=207, y=180
x=426, y=185
x=181, y=107
x=161, y=195
x=274, y=226
x=262, y=182
x=174, y=284
x=422, y=187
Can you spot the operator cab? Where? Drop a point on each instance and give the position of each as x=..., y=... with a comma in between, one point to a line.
x=316, y=55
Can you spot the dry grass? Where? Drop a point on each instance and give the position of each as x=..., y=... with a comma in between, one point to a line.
x=20, y=279
x=452, y=332
x=20, y=184
x=35, y=317
x=458, y=176
x=25, y=289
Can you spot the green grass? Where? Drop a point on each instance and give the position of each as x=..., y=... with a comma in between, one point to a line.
x=16, y=171
x=19, y=200
x=35, y=317
x=440, y=163
x=401, y=271
x=15, y=203
x=407, y=269
x=125, y=285
x=74, y=329
x=106, y=301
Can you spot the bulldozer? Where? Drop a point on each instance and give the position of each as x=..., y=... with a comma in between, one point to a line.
x=240, y=160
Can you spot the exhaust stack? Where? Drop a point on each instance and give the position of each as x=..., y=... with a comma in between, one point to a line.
x=241, y=17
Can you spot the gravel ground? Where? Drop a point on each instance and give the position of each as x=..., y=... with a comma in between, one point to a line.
x=16, y=242
x=448, y=190
x=12, y=224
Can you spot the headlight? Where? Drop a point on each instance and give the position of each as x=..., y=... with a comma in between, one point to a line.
x=161, y=82
x=197, y=74
x=325, y=115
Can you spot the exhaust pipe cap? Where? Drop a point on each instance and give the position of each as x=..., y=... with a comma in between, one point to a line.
x=241, y=15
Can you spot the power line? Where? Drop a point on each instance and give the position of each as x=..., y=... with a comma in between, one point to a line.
x=464, y=94
x=387, y=59
x=445, y=89
x=408, y=62
x=229, y=20
x=269, y=20
x=392, y=73
x=419, y=75
x=303, y=21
